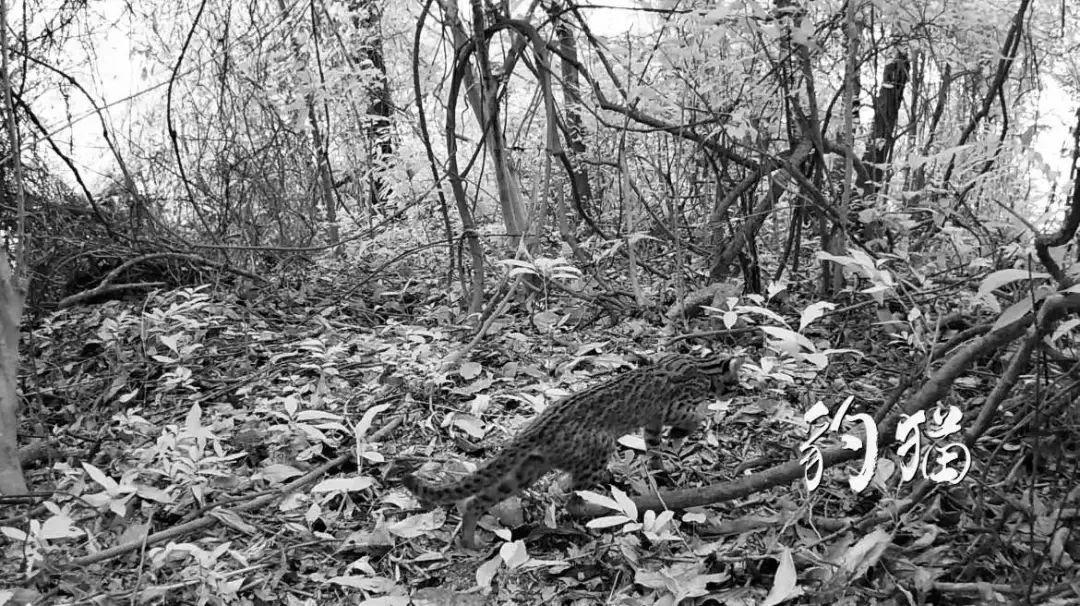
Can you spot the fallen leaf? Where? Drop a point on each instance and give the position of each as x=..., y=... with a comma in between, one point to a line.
x=785, y=581
x=485, y=573
x=344, y=484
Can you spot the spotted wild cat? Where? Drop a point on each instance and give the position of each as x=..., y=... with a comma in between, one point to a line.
x=578, y=433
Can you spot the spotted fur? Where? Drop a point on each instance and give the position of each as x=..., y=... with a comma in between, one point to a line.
x=578, y=433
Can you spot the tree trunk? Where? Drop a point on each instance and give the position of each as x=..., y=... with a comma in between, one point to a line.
x=11, y=303
x=484, y=101
x=886, y=112
x=378, y=127
x=572, y=101
x=322, y=160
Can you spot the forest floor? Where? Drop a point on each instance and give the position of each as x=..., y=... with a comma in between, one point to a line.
x=196, y=447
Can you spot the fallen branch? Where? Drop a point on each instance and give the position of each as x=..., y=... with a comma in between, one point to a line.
x=720, y=493
x=106, y=289
x=106, y=286
x=928, y=395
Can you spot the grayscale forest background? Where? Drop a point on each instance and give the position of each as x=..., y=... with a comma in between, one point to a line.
x=263, y=258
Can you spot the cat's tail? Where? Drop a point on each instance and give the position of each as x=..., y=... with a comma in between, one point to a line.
x=492, y=473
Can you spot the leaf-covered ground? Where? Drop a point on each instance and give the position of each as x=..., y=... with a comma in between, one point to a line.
x=196, y=447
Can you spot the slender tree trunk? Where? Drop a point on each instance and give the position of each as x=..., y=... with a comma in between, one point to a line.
x=379, y=133
x=919, y=179
x=469, y=236
x=572, y=101
x=886, y=112
x=11, y=304
x=837, y=244
x=882, y=139
x=322, y=161
x=12, y=296
x=483, y=99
